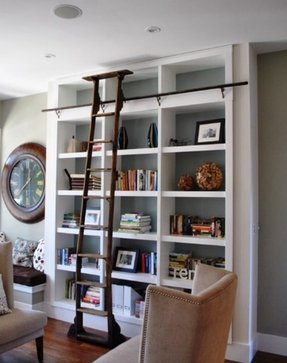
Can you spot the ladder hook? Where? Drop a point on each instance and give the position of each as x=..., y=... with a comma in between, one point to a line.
x=158, y=98
x=103, y=106
x=58, y=113
x=222, y=92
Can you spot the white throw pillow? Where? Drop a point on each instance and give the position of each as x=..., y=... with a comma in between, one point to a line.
x=39, y=256
x=23, y=252
x=4, y=309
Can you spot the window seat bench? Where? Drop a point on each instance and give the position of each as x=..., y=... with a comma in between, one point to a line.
x=29, y=287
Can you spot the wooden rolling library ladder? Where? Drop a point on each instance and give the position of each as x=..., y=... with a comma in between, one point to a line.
x=113, y=336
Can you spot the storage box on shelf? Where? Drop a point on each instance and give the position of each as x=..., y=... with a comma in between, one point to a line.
x=175, y=117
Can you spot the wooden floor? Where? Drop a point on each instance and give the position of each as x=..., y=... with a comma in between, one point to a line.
x=59, y=348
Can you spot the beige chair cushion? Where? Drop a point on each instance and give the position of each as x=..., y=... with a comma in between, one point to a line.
x=20, y=323
x=126, y=352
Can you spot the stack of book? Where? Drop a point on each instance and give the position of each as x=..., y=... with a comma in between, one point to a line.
x=180, y=264
x=77, y=182
x=195, y=226
x=135, y=223
x=91, y=297
x=71, y=220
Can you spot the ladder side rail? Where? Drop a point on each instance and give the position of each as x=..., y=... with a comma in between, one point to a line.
x=84, y=201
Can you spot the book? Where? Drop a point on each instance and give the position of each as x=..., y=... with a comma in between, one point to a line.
x=130, y=297
x=63, y=255
x=118, y=299
x=135, y=229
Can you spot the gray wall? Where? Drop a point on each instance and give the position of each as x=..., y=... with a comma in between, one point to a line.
x=21, y=121
x=272, y=285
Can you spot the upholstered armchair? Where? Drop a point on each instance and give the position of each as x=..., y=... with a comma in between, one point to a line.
x=17, y=326
x=179, y=327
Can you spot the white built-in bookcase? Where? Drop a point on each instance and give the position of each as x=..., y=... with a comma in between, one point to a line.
x=175, y=117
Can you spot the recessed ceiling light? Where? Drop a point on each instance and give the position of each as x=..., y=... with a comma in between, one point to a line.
x=153, y=29
x=65, y=11
x=50, y=55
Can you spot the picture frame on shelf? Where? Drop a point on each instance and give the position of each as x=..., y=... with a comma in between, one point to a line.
x=209, y=132
x=126, y=259
x=92, y=217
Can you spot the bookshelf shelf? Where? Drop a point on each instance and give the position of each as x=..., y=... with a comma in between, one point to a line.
x=139, y=277
x=89, y=269
x=78, y=155
x=207, y=241
x=193, y=194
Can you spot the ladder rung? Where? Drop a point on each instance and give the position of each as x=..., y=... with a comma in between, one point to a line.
x=100, y=169
x=91, y=226
x=93, y=311
x=92, y=255
x=103, y=114
x=114, y=74
x=92, y=283
x=96, y=197
x=96, y=141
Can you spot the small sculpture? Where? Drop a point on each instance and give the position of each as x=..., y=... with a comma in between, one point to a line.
x=185, y=182
x=152, y=137
x=122, y=138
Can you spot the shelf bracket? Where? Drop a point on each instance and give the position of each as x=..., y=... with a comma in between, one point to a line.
x=222, y=91
x=158, y=98
x=58, y=113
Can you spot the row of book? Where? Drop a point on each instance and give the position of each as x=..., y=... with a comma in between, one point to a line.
x=182, y=265
x=126, y=301
x=148, y=262
x=135, y=223
x=77, y=182
x=70, y=289
x=137, y=180
x=196, y=226
x=64, y=255
x=67, y=256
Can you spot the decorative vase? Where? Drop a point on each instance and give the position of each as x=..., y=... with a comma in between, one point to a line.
x=72, y=145
x=122, y=138
x=152, y=135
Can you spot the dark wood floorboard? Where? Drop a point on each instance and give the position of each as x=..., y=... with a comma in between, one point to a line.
x=59, y=348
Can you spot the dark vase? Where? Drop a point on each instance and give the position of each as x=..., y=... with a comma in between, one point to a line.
x=152, y=137
x=122, y=138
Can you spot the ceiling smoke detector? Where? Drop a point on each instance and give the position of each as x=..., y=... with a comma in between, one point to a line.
x=65, y=11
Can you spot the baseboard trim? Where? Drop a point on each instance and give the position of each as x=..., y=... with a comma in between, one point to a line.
x=272, y=344
x=38, y=306
x=239, y=352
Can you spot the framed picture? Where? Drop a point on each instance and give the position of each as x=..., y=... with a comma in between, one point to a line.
x=92, y=217
x=209, y=132
x=126, y=259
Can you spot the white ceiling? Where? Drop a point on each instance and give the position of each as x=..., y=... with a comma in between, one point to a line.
x=112, y=32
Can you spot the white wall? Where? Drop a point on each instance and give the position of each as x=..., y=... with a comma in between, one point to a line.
x=245, y=205
x=272, y=289
x=21, y=121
